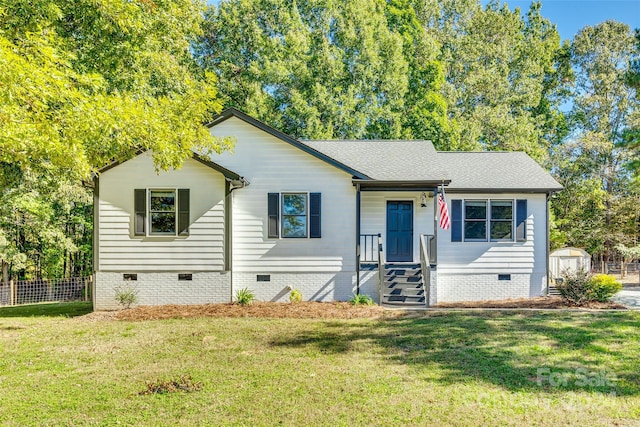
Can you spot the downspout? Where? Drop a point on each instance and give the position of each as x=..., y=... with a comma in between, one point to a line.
x=358, y=240
x=96, y=227
x=548, y=226
x=229, y=186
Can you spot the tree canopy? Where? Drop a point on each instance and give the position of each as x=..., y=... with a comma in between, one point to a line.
x=87, y=82
x=321, y=69
x=84, y=83
x=598, y=209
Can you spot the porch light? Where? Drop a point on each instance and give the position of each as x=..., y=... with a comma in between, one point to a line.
x=423, y=200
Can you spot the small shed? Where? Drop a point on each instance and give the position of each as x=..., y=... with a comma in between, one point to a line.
x=568, y=259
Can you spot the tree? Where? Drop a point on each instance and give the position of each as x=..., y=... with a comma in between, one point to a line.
x=84, y=83
x=504, y=75
x=321, y=69
x=632, y=135
x=599, y=204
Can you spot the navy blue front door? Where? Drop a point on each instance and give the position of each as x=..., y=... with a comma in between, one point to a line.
x=399, y=231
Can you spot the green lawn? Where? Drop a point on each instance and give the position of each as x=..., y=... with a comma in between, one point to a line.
x=454, y=368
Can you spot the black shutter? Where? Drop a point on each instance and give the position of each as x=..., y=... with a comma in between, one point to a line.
x=314, y=215
x=456, y=220
x=183, y=211
x=521, y=220
x=140, y=216
x=273, y=215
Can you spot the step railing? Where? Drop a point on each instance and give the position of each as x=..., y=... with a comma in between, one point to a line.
x=427, y=260
x=369, y=247
x=370, y=251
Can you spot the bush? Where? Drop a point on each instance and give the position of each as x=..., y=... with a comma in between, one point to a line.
x=361, y=299
x=295, y=296
x=574, y=287
x=581, y=287
x=126, y=295
x=604, y=287
x=245, y=296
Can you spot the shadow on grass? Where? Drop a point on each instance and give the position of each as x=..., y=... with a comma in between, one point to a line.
x=55, y=309
x=535, y=351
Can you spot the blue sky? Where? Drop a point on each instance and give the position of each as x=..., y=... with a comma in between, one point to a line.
x=572, y=15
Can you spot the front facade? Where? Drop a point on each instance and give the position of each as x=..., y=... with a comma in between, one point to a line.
x=329, y=218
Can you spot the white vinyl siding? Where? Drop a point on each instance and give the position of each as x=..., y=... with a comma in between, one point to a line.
x=373, y=205
x=274, y=166
x=120, y=250
x=501, y=257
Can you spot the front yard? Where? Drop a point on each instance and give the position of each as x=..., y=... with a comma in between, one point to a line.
x=433, y=368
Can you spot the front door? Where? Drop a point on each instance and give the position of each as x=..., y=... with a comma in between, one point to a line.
x=399, y=231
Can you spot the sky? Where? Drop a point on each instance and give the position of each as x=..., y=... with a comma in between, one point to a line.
x=572, y=15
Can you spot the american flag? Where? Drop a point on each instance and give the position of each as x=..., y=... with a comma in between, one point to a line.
x=445, y=221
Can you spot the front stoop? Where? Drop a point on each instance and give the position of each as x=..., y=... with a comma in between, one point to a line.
x=403, y=285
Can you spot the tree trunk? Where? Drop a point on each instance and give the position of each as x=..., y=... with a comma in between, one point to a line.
x=5, y=272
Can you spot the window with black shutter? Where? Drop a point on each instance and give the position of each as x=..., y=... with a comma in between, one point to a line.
x=294, y=215
x=161, y=212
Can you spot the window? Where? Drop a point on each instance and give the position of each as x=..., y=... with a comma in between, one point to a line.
x=162, y=212
x=493, y=220
x=294, y=215
x=475, y=220
x=501, y=220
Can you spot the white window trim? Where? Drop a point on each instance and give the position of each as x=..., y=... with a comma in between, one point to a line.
x=282, y=215
x=175, y=211
x=488, y=220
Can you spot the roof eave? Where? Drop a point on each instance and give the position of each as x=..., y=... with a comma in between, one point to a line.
x=232, y=112
x=401, y=183
x=505, y=190
x=228, y=174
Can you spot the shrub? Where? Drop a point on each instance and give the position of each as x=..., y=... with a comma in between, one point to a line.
x=245, y=296
x=126, y=295
x=575, y=287
x=580, y=287
x=361, y=299
x=295, y=296
x=604, y=287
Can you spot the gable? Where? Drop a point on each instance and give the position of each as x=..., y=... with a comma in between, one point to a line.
x=239, y=115
x=259, y=155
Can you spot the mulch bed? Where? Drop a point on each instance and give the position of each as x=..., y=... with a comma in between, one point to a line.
x=302, y=310
x=320, y=310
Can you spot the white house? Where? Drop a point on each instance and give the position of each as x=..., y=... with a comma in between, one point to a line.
x=329, y=218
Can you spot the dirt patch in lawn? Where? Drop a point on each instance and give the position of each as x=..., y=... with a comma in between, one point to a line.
x=318, y=310
x=539, y=303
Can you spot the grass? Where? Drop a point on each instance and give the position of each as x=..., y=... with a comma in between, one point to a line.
x=55, y=309
x=455, y=368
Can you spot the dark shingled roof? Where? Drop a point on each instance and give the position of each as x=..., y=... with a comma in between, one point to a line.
x=415, y=162
x=393, y=160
